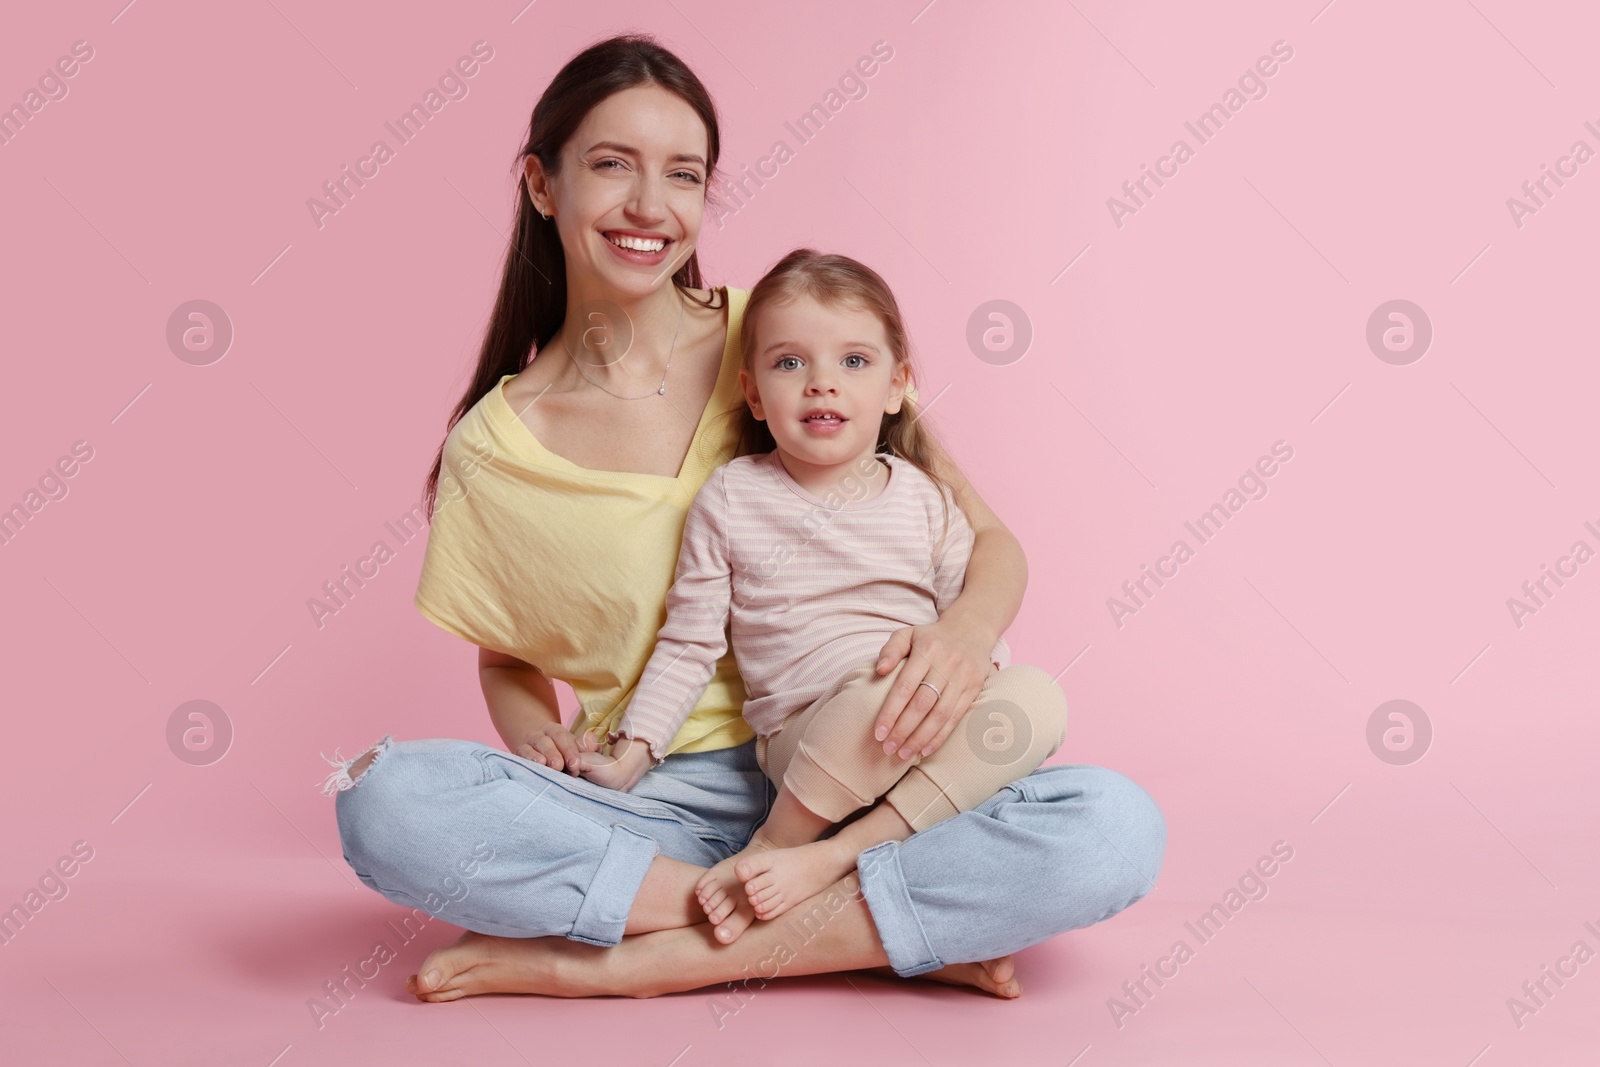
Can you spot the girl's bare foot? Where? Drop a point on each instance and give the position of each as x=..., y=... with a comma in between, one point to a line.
x=777, y=879
x=725, y=900
x=480, y=963
x=997, y=976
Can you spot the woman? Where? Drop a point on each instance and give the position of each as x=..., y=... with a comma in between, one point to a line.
x=554, y=555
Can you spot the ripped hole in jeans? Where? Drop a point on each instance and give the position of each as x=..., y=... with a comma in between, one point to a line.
x=340, y=779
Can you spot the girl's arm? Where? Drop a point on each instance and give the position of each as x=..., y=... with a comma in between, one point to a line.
x=688, y=646
x=523, y=707
x=953, y=653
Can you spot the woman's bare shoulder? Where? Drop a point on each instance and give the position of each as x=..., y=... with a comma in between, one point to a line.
x=527, y=384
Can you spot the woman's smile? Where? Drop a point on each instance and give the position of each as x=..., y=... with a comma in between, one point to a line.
x=647, y=248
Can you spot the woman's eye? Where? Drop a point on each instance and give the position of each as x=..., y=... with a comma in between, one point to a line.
x=606, y=164
x=688, y=176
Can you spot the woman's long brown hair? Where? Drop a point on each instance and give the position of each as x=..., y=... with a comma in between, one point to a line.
x=839, y=280
x=532, y=301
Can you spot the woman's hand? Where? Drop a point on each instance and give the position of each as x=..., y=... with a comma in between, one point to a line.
x=950, y=654
x=621, y=770
x=553, y=745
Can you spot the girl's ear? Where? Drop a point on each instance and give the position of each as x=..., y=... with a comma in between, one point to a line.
x=747, y=385
x=897, y=388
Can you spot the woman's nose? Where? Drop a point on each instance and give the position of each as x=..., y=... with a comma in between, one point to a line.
x=648, y=204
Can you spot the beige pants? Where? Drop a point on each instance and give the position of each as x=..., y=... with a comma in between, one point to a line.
x=827, y=757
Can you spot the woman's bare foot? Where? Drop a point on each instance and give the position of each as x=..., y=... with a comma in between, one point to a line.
x=480, y=963
x=560, y=967
x=777, y=879
x=725, y=900
x=997, y=976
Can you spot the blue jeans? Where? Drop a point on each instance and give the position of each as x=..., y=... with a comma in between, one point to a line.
x=1064, y=847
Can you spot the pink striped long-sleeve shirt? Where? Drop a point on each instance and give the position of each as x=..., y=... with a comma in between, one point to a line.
x=808, y=588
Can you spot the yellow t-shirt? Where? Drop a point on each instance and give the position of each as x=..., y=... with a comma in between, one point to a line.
x=568, y=568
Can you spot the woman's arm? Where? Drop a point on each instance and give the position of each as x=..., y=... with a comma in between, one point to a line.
x=997, y=573
x=525, y=712
x=953, y=653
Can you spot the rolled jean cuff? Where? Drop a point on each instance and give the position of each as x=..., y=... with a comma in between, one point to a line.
x=604, y=912
x=883, y=883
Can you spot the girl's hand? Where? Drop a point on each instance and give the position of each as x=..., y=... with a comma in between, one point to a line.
x=949, y=654
x=628, y=762
x=553, y=745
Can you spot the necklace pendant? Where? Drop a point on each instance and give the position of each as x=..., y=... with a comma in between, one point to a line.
x=663, y=390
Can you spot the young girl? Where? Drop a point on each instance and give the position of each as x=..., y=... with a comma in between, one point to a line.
x=819, y=548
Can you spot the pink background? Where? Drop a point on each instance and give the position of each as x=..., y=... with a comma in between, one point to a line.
x=1229, y=313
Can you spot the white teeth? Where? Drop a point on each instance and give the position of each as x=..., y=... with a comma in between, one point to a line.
x=639, y=244
x=822, y=418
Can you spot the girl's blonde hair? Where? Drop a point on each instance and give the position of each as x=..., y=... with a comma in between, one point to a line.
x=840, y=280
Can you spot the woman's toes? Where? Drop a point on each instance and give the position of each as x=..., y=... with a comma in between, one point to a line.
x=998, y=976
x=430, y=985
x=446, y=973
x=1001, y=970
x=444, y=995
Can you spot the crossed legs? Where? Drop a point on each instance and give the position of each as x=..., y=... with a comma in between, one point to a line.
x=667, y=948
x=1063, y=848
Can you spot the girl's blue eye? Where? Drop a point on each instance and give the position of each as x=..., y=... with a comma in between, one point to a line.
x=857, y=355
x=785, y=359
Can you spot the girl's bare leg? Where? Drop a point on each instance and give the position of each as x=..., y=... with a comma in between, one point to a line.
x=777, y=879
x=832, y=931
x=724, y=892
